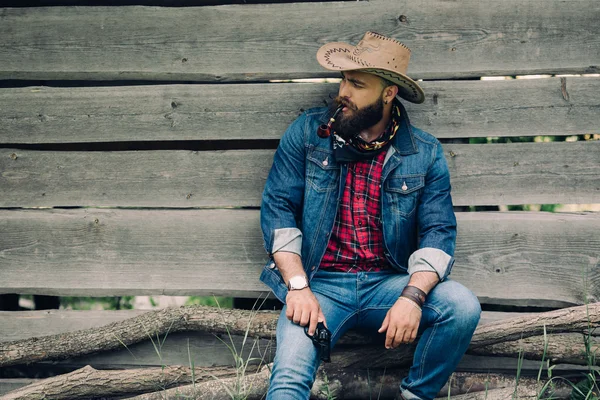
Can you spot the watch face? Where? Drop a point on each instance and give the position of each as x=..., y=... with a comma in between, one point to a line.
x=298, y=282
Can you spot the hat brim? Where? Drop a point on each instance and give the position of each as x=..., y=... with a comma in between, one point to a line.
x=334, y=57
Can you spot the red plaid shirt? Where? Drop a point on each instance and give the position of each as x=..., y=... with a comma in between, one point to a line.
x=356, y=243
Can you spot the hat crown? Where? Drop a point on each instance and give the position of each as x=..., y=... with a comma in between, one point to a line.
x=376, y=50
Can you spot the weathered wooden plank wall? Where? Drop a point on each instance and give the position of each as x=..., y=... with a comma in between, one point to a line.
x=542, y=257
x=453, y=109
x=221, y=45
x=258, y=42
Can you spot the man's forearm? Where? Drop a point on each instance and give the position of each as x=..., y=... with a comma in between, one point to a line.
x=288, y=264
x=424, y=280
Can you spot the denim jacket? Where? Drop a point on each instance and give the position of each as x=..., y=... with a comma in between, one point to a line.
x=303, y=189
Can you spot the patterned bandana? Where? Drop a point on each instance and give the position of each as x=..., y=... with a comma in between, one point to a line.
x=358, y=149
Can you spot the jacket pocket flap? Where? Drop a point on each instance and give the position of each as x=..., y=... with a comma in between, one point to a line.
x=405, y=184
x=322, y=159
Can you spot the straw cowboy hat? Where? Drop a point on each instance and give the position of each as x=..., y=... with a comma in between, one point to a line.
x=375, y=54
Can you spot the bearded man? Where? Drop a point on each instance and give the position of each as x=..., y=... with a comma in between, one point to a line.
x=357, y=219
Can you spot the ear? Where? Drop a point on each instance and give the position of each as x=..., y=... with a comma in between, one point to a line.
x=390, y=93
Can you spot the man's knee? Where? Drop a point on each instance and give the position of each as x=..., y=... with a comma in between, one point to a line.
x=457, y=302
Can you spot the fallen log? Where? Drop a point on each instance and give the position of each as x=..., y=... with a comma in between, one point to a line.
x=88, y=382
x=262, y=324
x=254, y=386
x=523, y=392
x=365, y=384
x=118, y=335
x=572, y=319
x=226, y=383
x=566, y=348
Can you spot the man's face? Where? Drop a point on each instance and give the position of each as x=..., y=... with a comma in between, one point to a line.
x=362, y=96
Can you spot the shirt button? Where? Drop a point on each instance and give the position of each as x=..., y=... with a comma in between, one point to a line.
x=313, y=268
x=359, y=223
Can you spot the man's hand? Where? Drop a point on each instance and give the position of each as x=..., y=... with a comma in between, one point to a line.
x=401, y=323
x=303, y=308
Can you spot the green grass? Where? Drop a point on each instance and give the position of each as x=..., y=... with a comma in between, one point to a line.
x=94, y=303
x=239, y=390
x=220, y=302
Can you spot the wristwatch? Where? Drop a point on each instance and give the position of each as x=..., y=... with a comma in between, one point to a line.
x=297, y=282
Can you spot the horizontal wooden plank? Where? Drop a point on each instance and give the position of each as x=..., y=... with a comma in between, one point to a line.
x=523, y=107
x=160, y=3
x=520, y=258
x=258, y=42
x=134, y=178
x=516, y=173
x=525, y=173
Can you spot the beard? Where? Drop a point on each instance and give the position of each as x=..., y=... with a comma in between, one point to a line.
x=350, y=126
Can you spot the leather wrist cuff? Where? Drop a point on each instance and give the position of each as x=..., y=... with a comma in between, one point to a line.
x=415, y=294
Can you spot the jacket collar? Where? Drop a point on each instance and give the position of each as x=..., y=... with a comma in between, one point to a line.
x=404, y=141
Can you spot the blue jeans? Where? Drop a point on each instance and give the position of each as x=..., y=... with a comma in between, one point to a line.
x=348, y=300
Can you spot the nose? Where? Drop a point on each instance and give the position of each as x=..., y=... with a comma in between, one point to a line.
x=343, y=91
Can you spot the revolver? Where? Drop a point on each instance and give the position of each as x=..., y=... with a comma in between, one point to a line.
x=322, y=340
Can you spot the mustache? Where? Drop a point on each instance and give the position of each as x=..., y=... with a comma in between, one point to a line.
x=341, y=101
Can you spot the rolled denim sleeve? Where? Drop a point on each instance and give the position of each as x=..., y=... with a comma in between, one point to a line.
x=437, y=222
x=283, y=194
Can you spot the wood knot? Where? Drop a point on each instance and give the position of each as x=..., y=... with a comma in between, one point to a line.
x=13, y=156
x=452, y=154
x=403, y=19
x=189, y=196
x=96, y=221
x=184, y=60
x=563, y=88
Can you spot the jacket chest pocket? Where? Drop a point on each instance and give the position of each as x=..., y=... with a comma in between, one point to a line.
x=402, y=193
x=321, y=171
